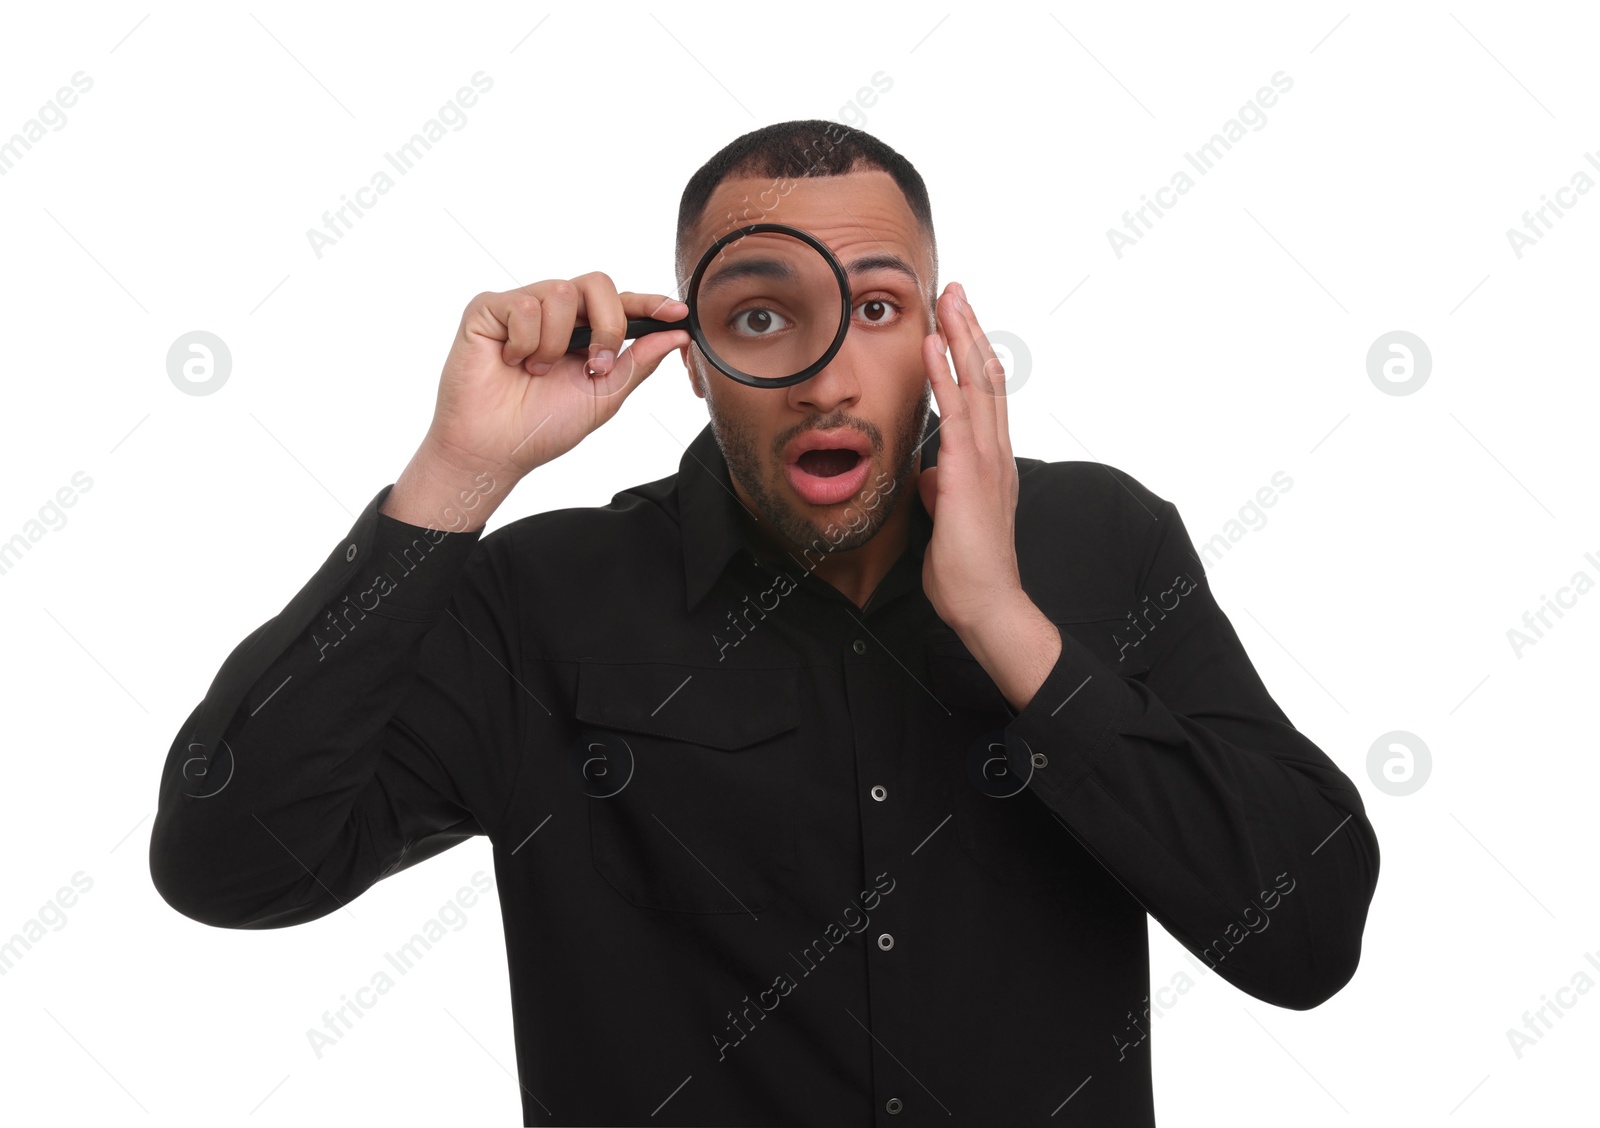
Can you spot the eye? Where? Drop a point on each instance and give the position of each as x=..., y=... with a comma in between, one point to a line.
x=758, y=321
x=879, y=311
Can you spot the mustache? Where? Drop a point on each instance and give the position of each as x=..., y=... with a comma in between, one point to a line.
x=873, y=435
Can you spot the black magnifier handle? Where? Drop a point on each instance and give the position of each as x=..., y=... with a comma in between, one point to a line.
x=637, y=327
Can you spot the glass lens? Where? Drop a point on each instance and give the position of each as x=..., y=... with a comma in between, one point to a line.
x=769, y=305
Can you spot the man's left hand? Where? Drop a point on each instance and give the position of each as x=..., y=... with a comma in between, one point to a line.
x=969, y=569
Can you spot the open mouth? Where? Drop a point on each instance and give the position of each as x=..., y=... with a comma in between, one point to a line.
x=828, y=475
x=828, y=463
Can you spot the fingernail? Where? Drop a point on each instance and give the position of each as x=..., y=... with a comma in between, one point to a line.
x=540, y=368
x=962, y=290
x=600, y=363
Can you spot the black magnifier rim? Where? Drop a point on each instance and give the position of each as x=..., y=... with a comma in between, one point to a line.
x=699, y=337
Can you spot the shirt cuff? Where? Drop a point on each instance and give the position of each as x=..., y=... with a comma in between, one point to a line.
x=411, y=571
x=1069, y=723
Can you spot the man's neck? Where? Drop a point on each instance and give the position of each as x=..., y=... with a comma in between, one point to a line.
x=855, y=573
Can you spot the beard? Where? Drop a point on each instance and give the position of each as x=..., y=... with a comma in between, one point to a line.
x=761, y=474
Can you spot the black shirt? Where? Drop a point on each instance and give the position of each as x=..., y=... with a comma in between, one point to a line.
x=763, y=856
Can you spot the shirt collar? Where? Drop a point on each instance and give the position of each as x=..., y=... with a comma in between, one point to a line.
x=716, y=526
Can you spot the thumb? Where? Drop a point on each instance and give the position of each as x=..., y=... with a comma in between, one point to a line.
x=646, y=354
x=928, y=487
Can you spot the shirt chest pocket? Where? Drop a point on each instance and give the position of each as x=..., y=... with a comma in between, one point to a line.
x=1007, y=831
x=691, y=782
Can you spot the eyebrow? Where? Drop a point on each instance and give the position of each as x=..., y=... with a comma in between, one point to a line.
x=748, y=268
x=884, y=261
x=778, y=269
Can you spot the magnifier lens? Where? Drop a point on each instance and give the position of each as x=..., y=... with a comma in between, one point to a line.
x=769, y=305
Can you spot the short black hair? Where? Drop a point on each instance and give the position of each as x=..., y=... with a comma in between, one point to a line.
x=790, y=150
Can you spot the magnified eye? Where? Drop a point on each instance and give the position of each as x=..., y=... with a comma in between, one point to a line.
x=879, y=311
x=758, y=322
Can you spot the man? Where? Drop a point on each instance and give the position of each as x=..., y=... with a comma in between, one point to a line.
x=802, y=812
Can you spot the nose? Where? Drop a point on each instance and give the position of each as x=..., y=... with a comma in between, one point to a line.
x=836, y=387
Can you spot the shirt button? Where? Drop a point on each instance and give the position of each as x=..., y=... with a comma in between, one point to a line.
x=350, y=553
x=860, y=647
x=885, y=941
x=892, y=1105
x=880, y=793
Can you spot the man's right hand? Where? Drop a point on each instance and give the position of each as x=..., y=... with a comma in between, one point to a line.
x=511, y=398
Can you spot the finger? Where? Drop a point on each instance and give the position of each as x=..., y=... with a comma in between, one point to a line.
x=637, y=362
x=520, y=313
x=657, y=306
x=963, y=353
x=602, y=309
x=995, y=372
x=559, y=301
x=648, y=351
x=928, y=489
x=972, y=356
x=955, y=421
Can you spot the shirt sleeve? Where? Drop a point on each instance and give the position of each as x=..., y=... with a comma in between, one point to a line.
x=1188, y=783
x=371, y=724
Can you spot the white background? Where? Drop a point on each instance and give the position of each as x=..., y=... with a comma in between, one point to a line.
x=1229, y=344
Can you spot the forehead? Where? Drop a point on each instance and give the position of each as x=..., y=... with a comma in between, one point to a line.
x=855, y=214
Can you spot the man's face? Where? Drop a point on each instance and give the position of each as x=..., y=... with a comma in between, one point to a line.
x=875, y=388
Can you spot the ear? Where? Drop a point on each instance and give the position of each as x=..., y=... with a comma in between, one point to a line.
x=688, y=368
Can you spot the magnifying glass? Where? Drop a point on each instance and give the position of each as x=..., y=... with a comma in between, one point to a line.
x=769, y=306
